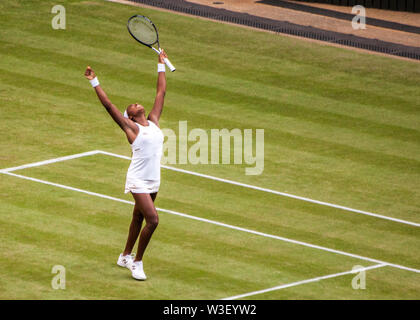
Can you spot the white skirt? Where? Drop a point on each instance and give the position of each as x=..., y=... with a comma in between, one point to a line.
x=134, y=185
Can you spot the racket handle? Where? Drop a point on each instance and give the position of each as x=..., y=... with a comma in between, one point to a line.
x=169, y=64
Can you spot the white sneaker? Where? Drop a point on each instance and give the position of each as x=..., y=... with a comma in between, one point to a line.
x=137, y=270
x=125, y=261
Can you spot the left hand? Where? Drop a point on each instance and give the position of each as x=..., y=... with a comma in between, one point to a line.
x=162, y=55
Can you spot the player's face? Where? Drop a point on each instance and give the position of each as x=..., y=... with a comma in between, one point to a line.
x=135, y=110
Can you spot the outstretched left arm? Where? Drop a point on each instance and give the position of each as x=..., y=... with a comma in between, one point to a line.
x=154, y=115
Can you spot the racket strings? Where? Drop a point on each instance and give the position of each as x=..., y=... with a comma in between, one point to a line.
x=143, y=30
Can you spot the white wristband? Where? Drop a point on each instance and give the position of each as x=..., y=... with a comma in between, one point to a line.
x=161, y=67
x=94, y=82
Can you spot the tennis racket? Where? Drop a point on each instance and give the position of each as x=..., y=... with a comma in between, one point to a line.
x=144, y=31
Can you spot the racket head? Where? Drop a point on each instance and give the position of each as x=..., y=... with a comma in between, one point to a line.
x=143, y=30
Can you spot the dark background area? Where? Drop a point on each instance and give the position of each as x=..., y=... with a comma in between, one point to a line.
x=399, y=5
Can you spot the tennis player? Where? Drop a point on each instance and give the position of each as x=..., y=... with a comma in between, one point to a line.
x=143, y=176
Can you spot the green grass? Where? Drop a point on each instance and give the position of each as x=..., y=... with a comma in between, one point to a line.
x=340, y=126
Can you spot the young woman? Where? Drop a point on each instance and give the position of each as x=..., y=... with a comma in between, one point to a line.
x=143, y=176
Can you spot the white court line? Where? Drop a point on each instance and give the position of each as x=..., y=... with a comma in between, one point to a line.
x=275, y=192
x=41, y=163
x=219, y=224
x=297, y=283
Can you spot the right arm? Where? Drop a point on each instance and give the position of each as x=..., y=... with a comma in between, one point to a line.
x=128, y=126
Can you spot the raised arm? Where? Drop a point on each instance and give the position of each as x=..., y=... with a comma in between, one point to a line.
x=126, y=125
x=154, y=115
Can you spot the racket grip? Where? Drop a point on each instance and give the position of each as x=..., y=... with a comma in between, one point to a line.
x=169, y=64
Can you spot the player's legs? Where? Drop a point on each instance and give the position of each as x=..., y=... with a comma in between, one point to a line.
x=144, y=202
x=135, y=227
x=134, y=230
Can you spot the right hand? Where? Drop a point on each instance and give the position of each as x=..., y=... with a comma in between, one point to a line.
x=162, y=56
x=89, y=73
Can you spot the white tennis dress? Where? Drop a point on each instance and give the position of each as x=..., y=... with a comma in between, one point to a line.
x=143, y=175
